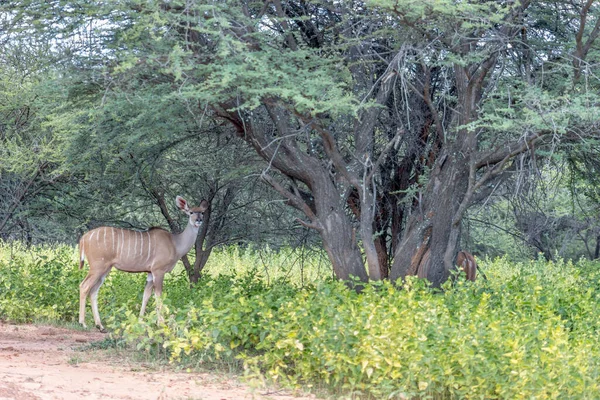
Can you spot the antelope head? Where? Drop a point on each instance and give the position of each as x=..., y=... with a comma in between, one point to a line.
x=195, y=213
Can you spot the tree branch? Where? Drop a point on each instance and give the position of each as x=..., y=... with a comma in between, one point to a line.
x=509, y=150
x=294, y=200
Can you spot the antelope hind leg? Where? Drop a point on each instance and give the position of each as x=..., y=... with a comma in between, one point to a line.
x=82, y=299
x=147, y=293
x=94, y=301
x=84, y=291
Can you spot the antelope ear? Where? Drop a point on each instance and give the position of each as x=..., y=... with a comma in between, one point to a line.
x=182, y=204
x=203, y=205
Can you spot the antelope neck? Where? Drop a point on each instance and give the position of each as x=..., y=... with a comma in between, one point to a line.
x=185, y=240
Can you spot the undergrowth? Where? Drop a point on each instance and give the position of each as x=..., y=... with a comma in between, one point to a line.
x=529, y=331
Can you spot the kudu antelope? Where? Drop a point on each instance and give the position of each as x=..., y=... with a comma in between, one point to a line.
x=154, y=251
x=466, y=261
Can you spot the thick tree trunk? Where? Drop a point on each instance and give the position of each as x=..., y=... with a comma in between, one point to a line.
x=432, y=227
x=339, y=240
x=326, y=206
x=336, y=230
x=435, y=226
x=195, y=273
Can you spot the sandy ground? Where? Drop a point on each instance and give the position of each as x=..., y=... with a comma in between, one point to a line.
x=45, y=362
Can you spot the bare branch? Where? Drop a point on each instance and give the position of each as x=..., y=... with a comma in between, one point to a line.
x=509, y=150
x=294, y=200
x=289, y=38
x=384, y=153
x=582, y=49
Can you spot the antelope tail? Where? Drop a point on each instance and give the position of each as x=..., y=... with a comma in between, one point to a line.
x=81, y=254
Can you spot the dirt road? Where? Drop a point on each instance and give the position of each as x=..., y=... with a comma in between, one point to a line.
x=45, y=362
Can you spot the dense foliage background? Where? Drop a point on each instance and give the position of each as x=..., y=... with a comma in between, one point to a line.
x=385, y=128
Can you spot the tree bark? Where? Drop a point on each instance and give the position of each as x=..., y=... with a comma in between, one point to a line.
x=432, y=228
x=435, y=226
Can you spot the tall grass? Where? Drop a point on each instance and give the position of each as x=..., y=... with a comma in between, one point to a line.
x=530, y=331
x=299, y=266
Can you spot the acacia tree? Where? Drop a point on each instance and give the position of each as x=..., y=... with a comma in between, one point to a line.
x=400, y=112
x=30, y=157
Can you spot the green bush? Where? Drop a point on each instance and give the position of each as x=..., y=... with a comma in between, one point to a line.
x=36, y=283
x=530, y=331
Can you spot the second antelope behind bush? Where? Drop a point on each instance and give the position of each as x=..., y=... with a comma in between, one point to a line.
x=154, y=251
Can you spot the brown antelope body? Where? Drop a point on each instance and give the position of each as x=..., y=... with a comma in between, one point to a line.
x=466, y=261
x=154, y=251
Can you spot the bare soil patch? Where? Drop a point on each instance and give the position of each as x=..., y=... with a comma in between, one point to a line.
x=47, y=362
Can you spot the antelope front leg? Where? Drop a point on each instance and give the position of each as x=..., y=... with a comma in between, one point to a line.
x=94, y=301
x=147, y=293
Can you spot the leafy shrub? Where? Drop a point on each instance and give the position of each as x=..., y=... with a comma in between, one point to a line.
x=35, y=283
x=530, y=331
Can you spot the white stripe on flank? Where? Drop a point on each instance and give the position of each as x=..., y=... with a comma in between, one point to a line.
x=113, y=239
x=122, y=243
x=142, y=245
x=135, y=246
x=117, y=242
x=92, y=235
x=128, y=245
x=149, y=245
x=105, y=247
